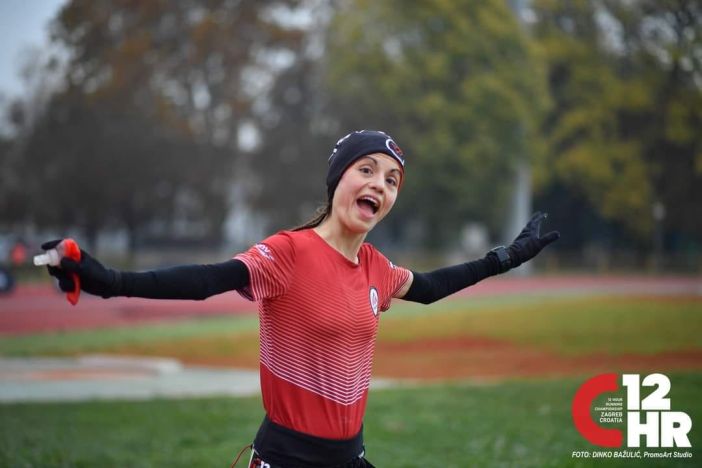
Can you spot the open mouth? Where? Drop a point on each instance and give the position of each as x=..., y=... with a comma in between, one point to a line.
x=368, y=205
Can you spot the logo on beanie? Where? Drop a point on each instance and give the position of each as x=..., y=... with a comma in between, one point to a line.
x=366, y=140
x=394, y=149
x=341, y=140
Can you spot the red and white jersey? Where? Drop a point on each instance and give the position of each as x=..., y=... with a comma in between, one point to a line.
x=319, y=319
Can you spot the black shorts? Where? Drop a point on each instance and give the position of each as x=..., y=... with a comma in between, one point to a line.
x=276, y=446
x=257, y=462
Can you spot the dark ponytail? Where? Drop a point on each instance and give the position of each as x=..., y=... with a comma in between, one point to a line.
x=320, y=215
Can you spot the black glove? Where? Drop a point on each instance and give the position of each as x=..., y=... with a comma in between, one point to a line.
x=529, y=242
x=94, y=278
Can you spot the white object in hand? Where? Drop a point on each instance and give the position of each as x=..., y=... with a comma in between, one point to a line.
x=50, y=257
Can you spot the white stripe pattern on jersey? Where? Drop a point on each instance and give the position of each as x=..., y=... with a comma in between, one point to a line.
x=339, y=370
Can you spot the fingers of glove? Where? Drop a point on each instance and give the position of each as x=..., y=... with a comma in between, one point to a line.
x=66, y=284
x=550, y=237
x=70, y=265
x=528, y=229
x=65, y=281
x=51, y=244
x=56, y=272
x=536, y=219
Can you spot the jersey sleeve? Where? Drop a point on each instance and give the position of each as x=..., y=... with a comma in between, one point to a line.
x=270, y=264
x=393, y=278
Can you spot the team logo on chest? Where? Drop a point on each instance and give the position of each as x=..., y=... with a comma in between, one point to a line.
x=373, y=296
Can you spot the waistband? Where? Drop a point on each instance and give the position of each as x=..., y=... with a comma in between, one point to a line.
x=279, y=445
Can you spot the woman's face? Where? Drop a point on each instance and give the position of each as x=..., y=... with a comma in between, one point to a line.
x=367, y=192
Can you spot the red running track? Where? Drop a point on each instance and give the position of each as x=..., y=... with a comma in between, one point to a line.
x=40, y=308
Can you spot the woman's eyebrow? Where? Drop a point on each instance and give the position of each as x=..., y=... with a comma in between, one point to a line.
x=372, y=159
x=375, y=161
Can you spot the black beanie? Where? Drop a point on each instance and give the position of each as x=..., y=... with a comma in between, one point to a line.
x=356, y=145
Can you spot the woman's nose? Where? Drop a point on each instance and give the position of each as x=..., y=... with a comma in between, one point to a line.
x=376, y=183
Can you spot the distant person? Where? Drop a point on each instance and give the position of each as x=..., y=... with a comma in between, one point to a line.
x=18, y=254
x=320, y=291
x=14, y=257
x=7, y=281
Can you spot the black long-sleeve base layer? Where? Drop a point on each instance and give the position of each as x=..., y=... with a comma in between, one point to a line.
x=199, y=282
x=430, y=287
x=196, y=282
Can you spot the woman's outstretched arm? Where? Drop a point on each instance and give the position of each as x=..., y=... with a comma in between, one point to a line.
x=432, y=286
x=195, y=282
x=429, y=287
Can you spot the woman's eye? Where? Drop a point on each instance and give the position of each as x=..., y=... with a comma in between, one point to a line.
x=365, y=170
x=391, y=181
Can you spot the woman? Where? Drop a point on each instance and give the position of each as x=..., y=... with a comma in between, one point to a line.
x=320, y=291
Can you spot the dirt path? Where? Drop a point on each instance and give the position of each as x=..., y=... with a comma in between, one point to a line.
x=483, y=358
x=465, y=358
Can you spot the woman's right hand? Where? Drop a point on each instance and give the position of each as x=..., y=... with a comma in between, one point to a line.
x=94, y=277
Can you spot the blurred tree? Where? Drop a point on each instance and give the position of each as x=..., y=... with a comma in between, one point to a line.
x=589, y=154
x=298, y=132
x=663, y=44
x=145, y=129
x=290, y=162
x=624, y=129
x=13, y=205
x=39, y=72
x=457, y=84
x=92, y=167
x=200, y=61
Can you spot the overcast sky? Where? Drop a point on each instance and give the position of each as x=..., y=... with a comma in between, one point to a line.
x=23, y=24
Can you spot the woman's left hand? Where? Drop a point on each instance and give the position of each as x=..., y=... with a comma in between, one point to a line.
x=94, y=277
x=529, y=242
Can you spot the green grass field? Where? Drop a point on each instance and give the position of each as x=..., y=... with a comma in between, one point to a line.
x=568, y=326
x=515, y=423
x=510, y=422
x=571, y=325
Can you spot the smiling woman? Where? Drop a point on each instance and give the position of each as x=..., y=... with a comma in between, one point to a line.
x=379, y=156
x=366, y=170
x=320, y=290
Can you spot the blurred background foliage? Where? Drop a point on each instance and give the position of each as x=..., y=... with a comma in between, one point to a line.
x=209, y=122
